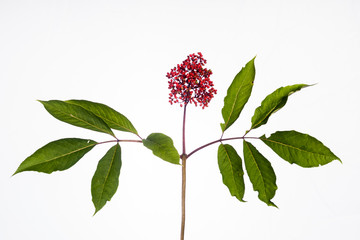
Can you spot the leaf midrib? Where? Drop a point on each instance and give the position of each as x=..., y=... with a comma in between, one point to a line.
x=105, y=118
x=232, y=171
x=233, y=105
x=272, y=109
x=115, y=123
x=269, y=113
x=64, y=155
x=107, y=176
x=81, y=120
x=299, y=149
x=257, y=167
x=159, y=145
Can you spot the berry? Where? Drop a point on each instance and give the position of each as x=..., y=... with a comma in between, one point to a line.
x=190, y=82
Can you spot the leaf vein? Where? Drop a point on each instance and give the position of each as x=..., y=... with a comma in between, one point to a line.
x=107, y=176
x=270, y=112
x=257, y=167
x=237, y=93
x=81, y=120
x=293, y=147
x=232, y=170
x=67, y=154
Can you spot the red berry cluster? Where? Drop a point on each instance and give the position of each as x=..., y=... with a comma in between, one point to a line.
x=190, y=82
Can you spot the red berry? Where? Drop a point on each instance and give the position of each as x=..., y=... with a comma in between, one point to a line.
x=190, y=82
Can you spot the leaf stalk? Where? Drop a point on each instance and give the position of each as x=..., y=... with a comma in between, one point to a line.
x=219, y=140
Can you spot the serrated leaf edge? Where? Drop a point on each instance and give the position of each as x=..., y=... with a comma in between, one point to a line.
x=102, y=117
x=232, y=171
x=224, y=125
x=107, y=176
x=71, y=115
x=53, y=159
x=270, y=203
x=172, y=144
x=283, y=98
x=264, y=138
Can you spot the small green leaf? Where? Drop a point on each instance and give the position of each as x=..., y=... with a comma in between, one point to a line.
x=106, y=178
x=230, y=165
x=162, y=146
x=76, y=115
x=112, y=118
x=57, y=155
x=299, y=148
x=272, y=103
x=238, y=94
x=261, y=174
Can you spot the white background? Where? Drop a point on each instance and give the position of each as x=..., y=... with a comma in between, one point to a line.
x=118, y=53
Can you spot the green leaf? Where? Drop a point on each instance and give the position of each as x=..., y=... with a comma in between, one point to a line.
x=272, y=103
x=112, y=118
x=299, y=148
x=162, y=146
x=57, y=155
x=230, y=165
x=238, y=94
x=261, y=174
x=106, y=178
x=76, y=116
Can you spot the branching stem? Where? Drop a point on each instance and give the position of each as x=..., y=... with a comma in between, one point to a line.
x=219, y=140
x=184, y=158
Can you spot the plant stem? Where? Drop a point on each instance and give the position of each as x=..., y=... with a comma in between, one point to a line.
x=183, y=131
x=120, y=140
x=183, y=190
x=216, y=141
x=183, y=177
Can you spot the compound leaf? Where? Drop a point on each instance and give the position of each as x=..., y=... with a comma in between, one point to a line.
x=57, y=155
x=162, y=146
x=230, y=165
x=238, y=94
x=112, y=118
x=261, y=173
x=106, y=178
x=76, y=115
x=299, y=148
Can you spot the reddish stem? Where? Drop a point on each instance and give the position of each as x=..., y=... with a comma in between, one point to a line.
x=216, y=141
x=119, y=140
